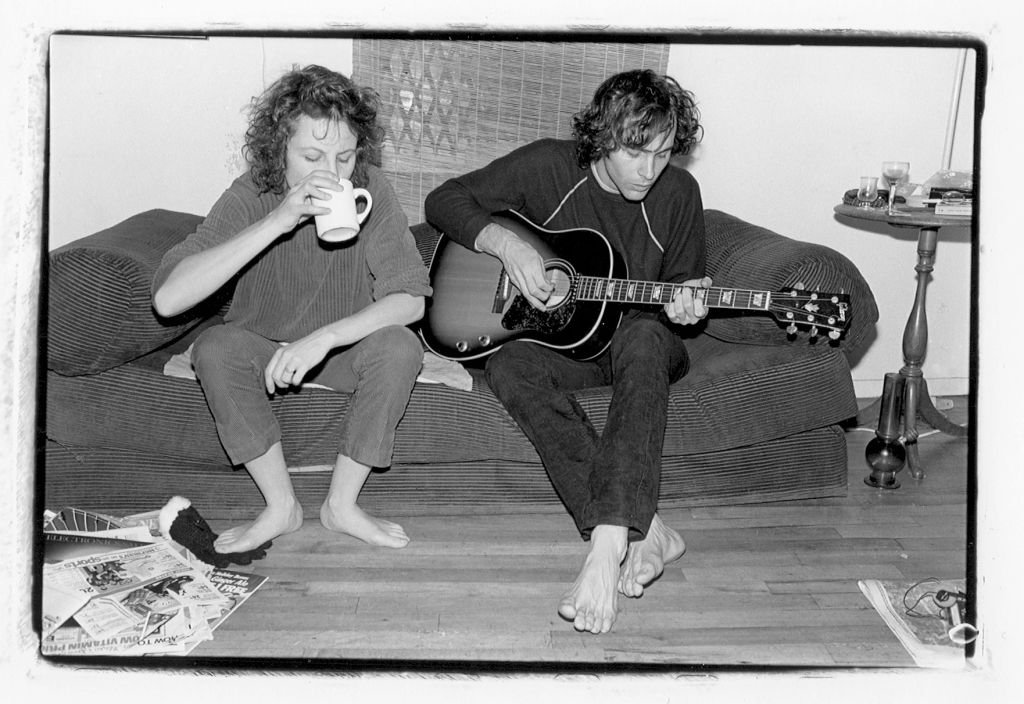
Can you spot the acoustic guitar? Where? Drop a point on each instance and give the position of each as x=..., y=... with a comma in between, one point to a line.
x=475, y=308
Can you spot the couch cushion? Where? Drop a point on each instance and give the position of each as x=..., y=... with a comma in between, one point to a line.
x=735, y=395
x=100, y=314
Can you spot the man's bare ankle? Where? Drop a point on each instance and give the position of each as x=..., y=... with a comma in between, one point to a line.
x=609, y=537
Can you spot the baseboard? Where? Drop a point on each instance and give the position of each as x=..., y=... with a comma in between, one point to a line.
x=948, y=386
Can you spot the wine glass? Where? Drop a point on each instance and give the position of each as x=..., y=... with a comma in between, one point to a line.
x=868, y=191
x=894, y=172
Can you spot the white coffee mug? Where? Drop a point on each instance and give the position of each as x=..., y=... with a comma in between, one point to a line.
x=343, y=222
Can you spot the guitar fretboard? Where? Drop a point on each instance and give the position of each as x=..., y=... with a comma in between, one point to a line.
x=592, y=288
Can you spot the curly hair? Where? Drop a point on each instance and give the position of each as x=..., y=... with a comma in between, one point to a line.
x=315, y=92
x=631, y=108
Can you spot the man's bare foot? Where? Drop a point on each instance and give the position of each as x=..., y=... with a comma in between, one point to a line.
x=646, y=559
x=353, y=521
x=592, y=601
x=276, y=520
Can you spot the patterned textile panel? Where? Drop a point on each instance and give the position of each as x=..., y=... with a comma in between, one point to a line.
x=453, y=106
x=809, y=465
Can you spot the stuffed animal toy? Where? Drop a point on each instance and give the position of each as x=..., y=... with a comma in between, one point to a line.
x=181, y=522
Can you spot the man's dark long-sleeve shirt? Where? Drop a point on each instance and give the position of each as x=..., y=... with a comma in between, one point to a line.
x=661, y=238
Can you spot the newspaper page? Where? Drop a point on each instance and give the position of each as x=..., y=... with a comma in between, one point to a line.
x=920, y=629
x=237, y=586
x=123, y=588
x=59, y=604
x=58, y=547
x=71, y=639
x=189, y=626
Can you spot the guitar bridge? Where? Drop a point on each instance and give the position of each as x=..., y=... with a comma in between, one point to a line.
x=502, y=293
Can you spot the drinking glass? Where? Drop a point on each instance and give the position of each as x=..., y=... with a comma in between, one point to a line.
x=868, y=191
x=894, y=172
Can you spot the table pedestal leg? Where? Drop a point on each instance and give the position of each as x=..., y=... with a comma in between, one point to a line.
x=905, y=395
x=935, y=418
x=911, y=397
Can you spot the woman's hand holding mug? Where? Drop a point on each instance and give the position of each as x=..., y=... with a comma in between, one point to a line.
x=343, y=221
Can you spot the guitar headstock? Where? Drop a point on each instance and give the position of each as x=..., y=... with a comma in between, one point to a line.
x=811, y=309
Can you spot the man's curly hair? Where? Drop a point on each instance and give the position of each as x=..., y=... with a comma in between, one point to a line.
x=318, y=93
x=631, y=108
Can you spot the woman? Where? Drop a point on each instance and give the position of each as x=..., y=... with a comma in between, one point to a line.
x=304, y=310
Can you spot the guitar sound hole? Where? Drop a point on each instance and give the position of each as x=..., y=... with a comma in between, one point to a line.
x=563, y=286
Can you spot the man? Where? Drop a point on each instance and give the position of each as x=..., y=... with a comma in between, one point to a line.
x=616, y=178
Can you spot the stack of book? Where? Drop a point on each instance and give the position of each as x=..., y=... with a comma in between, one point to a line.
x=116, y=587
x=951, y=202
x=965, y=208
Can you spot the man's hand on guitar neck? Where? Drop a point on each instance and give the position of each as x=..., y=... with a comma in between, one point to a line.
x=523, y=264
x=685, y=308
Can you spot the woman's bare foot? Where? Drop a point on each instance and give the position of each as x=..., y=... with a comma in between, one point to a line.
x=592, y=601
x=353, y=521
x=646, y=559
x=278, y=519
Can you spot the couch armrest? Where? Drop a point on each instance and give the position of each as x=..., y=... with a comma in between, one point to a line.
x=741, y=255
x=100, y=312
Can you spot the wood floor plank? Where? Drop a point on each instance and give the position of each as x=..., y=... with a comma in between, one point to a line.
x=763, y=585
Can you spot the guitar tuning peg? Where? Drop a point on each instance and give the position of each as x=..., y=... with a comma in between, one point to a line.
x=791, y=329
x=799, y=286
x=833, y=334
x=814, y=331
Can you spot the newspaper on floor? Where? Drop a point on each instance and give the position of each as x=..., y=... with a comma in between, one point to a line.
x=238, y=587
x=912, y=615
x=123, y=589
x=115, y=586
x=58, y=547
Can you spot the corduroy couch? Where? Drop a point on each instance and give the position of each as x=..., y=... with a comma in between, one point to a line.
x=758, y=418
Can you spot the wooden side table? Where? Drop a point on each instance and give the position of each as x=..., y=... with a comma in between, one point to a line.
x=905, y=395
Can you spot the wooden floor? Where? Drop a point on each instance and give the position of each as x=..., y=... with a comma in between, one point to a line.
x=760, y=585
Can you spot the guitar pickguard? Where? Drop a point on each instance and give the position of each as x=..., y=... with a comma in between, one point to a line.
x=522, y=316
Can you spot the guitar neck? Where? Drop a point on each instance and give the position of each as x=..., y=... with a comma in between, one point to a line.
x=591, y=288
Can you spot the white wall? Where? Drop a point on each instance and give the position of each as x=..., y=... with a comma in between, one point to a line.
x=139, y=123
x=790, y=128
